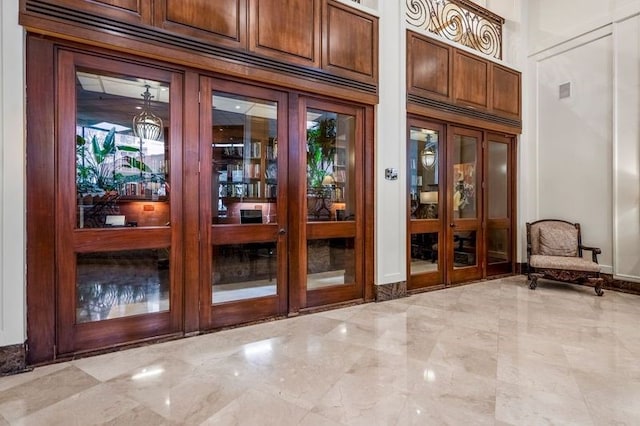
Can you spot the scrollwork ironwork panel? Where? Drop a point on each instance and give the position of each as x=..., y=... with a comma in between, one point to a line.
x=460, y=21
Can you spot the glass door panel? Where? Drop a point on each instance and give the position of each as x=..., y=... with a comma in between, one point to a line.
x=119, y=274
x=499, y=189
x=122, y=283
x=246, y=265
x=245, y=174
x=330, y=166
x=465, y=197
x=333, y=151
x=121, y=152
x=425, y=160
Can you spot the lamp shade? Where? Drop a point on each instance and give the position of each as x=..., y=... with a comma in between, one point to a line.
x=328, y=180
x=430, y=197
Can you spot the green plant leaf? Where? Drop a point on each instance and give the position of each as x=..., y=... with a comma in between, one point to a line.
x=127, y=148
x=134, y=163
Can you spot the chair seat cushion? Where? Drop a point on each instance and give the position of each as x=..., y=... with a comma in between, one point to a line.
x=564, y=262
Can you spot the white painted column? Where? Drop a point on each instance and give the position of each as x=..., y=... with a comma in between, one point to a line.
x=12, y=177
x=626, y=149
x=391, y=199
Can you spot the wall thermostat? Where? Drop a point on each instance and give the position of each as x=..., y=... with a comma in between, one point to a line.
x=391, y=174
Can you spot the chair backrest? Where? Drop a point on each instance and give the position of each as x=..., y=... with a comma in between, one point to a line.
x=553, y=237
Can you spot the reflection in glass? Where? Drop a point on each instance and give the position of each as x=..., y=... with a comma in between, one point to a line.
x=330, y=262
x=424, y=253
x=121, y=283
x=330, y=166
x=464, y=249
x=423, y=159
x=464, y=177
x=244, y=271
x=244, y=159
x=498, y=247
x=498, y=182
x=117, y=169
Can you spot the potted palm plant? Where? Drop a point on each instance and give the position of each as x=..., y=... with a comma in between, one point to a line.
x=321, y=149
x=96, y=171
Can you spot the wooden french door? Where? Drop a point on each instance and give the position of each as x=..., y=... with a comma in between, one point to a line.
x=118, y=221
x=244, y=201
x=499, y=211
x=465, y=233
x=460, y=204
x=426, y=151
x=329, y=172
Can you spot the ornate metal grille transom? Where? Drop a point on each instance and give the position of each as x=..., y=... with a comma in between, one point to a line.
x=460, y=21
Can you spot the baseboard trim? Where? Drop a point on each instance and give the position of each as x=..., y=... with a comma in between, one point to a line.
x=13, y=359
x=611, y=283
x=390, y=291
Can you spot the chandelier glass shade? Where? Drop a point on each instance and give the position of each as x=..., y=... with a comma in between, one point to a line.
x=147, y=125
x=428, y=156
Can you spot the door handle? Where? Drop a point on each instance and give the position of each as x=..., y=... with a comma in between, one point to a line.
x=282, y=231
x=452, y=225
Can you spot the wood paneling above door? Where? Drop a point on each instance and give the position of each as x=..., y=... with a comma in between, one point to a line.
x=506, y=91
x=451, y=84
x=131, y=5
x=471, y=76
x=350, y=45
x=429, y=63
x=286, y=29
x=129, y=11
x=222, y=21
x=289, y=43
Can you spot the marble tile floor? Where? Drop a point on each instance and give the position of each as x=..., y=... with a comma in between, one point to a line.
x=491, y=353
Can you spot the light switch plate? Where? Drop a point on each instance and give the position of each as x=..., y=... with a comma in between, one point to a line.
x=391, y=174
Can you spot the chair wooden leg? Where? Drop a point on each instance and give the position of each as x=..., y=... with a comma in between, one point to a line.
x=597, y=285
x=533, y=280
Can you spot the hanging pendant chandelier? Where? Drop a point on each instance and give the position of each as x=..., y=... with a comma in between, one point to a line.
x=428, y=154
x=147, y=125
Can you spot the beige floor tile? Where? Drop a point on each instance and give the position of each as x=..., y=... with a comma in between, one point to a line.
x=493, y=353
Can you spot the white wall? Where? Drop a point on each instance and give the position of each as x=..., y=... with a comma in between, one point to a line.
x=585, y=165
x=553, y=22
x=12, y=178
x=391, y=135
x=575, y=139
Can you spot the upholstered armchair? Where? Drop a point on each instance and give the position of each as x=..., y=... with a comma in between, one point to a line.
x=554, y=251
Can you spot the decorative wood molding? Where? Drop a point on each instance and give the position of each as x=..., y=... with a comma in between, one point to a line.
x=444, y=108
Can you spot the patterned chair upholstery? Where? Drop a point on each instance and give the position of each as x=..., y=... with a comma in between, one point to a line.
x=554, y=250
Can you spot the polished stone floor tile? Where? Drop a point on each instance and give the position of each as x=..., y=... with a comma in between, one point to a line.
x=493, y=353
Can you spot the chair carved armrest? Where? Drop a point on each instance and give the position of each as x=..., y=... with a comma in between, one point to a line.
x=595, y=251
